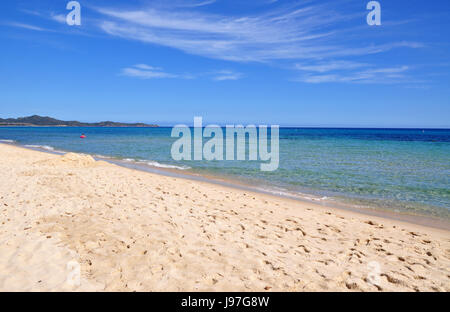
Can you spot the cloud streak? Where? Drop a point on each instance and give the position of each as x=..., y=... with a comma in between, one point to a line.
x=312, y=35
x=223, y=75
x=60, y=18
x=306, y=32
x=143, y=71
x=27, y=26
x=327, y=73
x=322, y=67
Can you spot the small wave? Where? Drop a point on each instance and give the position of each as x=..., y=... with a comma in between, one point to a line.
x=155, y=164
x=46, y=147
x=315, y=198
x=102, y=156
x=281, y=192
x=159, y=165
x=7, y=141
x=277, y=191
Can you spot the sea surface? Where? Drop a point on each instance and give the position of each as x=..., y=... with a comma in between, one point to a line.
x=397, y=170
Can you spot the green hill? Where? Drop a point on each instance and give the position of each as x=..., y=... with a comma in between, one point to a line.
x=36, y=120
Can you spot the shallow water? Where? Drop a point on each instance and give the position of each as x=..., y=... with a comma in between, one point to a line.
x=403, y=170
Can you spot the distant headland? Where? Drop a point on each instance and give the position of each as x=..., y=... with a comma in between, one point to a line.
x=39, y=121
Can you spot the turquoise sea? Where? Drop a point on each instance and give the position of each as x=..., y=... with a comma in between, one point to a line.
x=401, y=170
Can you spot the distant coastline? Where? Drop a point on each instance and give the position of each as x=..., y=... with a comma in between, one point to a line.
x=40, y=121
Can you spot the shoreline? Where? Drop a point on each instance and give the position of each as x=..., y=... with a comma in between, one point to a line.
x=406, y=219
x=130, y=230
x=421, y=220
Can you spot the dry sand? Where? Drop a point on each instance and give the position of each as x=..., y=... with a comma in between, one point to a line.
x=132, y=230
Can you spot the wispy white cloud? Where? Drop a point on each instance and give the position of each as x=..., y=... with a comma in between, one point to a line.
x=197, y=3
x=60, y=18
x=308, y=32
x=322, y=67
x=388, y=71
x=227, y=75
x=144, y=71
x=370, y=75
x=147, y=67
x=350, y=71
x=31, y=12
x=313, y=35
x=27, y=26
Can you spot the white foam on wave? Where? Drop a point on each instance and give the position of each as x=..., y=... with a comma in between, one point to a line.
x=46, y=147
x=102, y=156
x=316, y=198
x=159, y=165
x=155, y=164
x=281, y=192
x=7, y=141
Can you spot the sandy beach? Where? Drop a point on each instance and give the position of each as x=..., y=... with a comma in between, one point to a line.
x=136, y=231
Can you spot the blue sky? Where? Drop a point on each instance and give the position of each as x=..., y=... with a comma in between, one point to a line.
x=292, y=63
